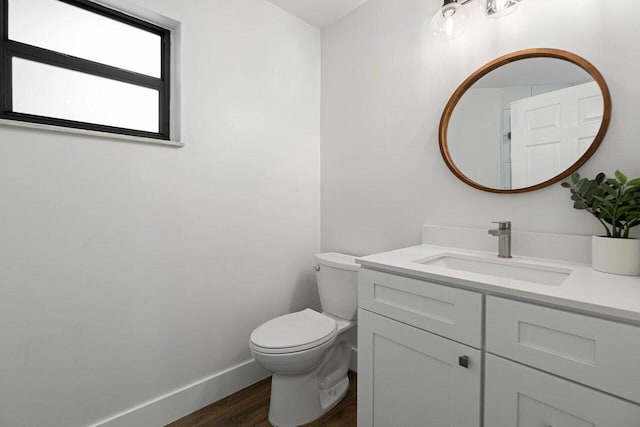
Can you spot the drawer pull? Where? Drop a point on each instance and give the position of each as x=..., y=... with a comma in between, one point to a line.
x=463, y=361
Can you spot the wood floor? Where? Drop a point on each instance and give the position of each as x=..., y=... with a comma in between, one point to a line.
x=250, y=408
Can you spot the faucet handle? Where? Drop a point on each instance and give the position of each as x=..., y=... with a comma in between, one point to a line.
x=503, y=225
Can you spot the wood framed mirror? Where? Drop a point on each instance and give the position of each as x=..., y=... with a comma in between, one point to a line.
x=525, y=120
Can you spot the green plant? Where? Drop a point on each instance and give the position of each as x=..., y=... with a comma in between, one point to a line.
x=615, y=202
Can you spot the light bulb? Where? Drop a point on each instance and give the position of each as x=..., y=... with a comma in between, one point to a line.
x=498, y=8
x=500, y=5
x=449, y=22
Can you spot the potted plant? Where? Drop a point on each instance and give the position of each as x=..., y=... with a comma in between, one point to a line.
x=615, y=203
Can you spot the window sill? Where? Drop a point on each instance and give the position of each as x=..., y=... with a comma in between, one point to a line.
x=93, y=133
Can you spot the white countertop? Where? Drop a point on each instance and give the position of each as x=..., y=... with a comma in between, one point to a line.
x=585, y=290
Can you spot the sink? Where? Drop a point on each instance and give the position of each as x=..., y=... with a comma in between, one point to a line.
x=534, y=273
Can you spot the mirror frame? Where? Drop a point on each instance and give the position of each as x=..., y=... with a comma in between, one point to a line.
x=506, y=59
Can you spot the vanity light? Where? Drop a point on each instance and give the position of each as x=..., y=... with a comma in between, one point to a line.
x=450, y=20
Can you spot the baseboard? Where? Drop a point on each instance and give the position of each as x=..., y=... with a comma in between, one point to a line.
x=188, y=399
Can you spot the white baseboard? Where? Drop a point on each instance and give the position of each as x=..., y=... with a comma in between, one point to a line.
x=188, y=399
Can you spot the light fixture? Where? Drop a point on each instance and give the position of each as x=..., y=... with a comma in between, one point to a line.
x=449, y=22
x=498, y=8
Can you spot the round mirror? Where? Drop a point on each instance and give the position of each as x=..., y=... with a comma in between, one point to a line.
x=525, y=121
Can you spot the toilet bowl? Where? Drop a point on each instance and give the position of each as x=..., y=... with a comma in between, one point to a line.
x=308, y=352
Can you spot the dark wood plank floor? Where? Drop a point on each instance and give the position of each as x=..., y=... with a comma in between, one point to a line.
x=250, y=408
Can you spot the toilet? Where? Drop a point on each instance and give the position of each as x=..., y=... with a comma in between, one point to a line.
x=308, y=352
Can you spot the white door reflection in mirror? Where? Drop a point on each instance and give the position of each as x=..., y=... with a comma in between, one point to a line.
x=549, y=132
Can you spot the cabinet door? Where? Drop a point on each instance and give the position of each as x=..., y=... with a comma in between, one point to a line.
x=518, y=396
x=408, y=377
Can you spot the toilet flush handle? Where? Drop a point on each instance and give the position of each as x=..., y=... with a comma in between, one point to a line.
x=316, y=267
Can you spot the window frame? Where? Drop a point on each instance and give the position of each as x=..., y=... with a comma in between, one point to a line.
x=10, y=49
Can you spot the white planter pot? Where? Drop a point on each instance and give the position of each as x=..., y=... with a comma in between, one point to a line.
x=617, y=256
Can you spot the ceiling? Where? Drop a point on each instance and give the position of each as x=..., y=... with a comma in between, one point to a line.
x=319, y=13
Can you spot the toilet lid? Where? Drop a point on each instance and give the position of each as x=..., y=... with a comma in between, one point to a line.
x=294, y=332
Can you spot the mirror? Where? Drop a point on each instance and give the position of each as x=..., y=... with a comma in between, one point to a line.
x=525, y=121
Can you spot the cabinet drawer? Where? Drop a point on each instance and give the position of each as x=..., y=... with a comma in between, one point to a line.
x=599, y=353
x=449, y=312
x=516, y=395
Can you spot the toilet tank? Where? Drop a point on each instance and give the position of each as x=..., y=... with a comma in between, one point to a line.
x=337, y=278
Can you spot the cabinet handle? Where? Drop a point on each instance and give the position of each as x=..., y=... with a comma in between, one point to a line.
x=463, y=361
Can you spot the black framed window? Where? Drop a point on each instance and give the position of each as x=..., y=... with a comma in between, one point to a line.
x=78, y=64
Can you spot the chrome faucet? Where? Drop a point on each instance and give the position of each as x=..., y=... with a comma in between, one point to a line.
x=503, y=232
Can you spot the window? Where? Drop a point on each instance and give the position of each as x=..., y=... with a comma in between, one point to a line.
x=77, y=64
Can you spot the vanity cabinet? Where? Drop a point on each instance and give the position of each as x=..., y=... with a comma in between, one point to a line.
x=410, y=377
x=411, y=372
x=599, y=353
x=583, y=350
x=434, y=355
x=442, y=310
x=519, y=396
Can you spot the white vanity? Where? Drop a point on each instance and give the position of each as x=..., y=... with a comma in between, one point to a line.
x=457, y=337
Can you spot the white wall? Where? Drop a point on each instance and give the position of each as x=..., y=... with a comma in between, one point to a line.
x=385, y=82
x=130, y=270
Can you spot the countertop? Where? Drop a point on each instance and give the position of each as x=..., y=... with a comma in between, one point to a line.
x=585, y=290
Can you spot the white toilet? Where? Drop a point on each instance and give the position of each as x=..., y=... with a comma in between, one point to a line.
x=308, y=352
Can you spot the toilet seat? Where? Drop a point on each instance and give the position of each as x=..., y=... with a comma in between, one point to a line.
x=293, y=332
